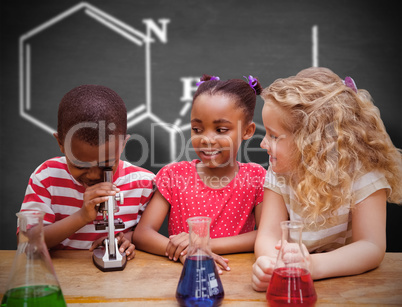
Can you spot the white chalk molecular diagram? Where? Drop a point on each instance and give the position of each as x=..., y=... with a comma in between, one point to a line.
x=142, y=111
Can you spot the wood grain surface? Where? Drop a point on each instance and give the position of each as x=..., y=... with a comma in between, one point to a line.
x=150, y=280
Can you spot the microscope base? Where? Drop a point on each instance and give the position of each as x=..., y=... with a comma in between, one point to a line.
x=104, y=262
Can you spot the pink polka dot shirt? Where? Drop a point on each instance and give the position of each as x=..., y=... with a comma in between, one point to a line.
x=230, y=208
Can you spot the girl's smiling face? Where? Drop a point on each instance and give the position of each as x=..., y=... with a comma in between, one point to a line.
x=217, y=130
x=277, y=141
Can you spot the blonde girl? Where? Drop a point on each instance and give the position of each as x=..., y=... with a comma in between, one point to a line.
x=332, y=166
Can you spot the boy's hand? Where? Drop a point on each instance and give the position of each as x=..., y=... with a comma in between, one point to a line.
x=177, y=246
x=125, y=245
x=94, y=195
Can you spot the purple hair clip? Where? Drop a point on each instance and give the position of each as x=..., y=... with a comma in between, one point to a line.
x=349, y=82
x=212, y=78
x=252, y=82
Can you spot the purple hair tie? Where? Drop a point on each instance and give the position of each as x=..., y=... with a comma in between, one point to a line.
x=212, y=78
x=349, y=82
x=252, y=82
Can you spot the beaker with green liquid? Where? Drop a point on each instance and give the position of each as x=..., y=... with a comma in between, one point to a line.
x=32, y=280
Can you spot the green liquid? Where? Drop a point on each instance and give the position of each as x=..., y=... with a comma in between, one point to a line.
x=36, y=296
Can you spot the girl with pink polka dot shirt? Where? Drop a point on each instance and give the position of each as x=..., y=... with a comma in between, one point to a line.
x=216, y=185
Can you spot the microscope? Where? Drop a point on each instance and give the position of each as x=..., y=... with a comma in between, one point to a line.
x=108, y=258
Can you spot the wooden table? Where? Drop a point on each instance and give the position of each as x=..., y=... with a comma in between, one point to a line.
x=151, y=280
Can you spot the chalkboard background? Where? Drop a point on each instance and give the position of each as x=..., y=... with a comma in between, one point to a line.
x=58, y=45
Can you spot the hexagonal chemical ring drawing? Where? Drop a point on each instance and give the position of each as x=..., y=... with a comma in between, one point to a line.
x=139, y=113
x=123, y=30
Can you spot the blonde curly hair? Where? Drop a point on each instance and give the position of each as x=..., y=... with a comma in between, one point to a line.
x=339, y=136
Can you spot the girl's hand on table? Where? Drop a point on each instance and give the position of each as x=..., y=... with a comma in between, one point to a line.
x=263, y=268
x=220, y=262
x=291, y=253
x=262, y=272
x=177, y=246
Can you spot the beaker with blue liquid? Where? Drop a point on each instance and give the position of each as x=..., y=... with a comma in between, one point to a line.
x=199, y=284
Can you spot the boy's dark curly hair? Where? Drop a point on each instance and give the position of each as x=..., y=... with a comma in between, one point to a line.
x=90, y=109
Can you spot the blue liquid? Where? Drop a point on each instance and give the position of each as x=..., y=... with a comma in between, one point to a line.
x=199, y=284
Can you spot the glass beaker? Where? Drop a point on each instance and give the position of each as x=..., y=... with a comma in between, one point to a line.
x=291, y=283
x=32, y=280
x=199, y=284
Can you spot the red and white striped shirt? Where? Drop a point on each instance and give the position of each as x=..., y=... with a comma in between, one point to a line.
x=54, y=190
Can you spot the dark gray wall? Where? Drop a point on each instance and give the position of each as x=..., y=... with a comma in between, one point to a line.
x=231, y=39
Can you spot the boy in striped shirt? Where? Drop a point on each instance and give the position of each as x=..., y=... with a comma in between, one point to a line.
x=91, y=133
